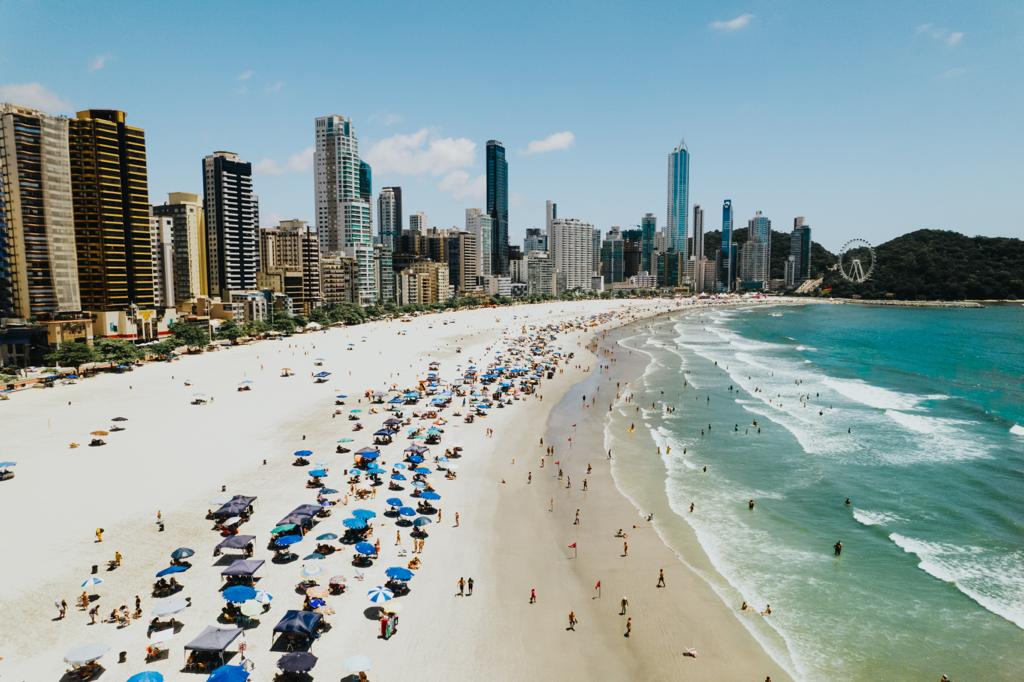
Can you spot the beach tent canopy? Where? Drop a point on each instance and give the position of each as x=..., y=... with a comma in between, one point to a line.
x=214, y=639
x=236, y=541
x=243, y=567
x=299, y=622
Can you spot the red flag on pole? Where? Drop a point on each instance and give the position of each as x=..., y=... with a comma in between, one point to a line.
x=572, y=546
x=597, y=585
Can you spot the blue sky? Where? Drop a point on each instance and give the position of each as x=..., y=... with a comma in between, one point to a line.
x=871, y=119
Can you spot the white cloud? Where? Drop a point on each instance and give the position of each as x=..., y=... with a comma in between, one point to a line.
x=99, y=62
x=296, y=163
x=551, y=143
x=735, y=24
x=419, y=153
x=940, y=34
x=246, y=75
x=462, y=186
x=35, y=96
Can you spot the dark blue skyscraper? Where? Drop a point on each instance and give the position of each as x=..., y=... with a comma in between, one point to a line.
x=497, y=205
x=648, y=226
x=676, y=232
x=726, y=257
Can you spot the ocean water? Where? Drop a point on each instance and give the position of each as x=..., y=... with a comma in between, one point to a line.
x=916, y=415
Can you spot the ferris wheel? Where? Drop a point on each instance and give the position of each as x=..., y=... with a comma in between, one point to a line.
x=856, y=261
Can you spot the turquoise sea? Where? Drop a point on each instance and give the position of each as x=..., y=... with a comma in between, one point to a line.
x=915, y=415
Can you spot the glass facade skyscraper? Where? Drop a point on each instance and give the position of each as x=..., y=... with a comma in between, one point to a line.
x=676, y=216
x=497, y=205
x=648, y=227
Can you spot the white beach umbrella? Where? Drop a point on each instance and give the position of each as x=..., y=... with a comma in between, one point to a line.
x=169, y=606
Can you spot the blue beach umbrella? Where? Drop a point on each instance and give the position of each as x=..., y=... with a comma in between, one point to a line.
x=287, y=540
x=379, y=594
x=416, y=459
x=419, y=484
x=397, y=477
x=313, y=556
x=341, y=396
x=263, y=597
x=92, y=582
x=228, y=673
x=328, y=491
x=363, y=514
x=317, y=473
x=407, y=511
x=303, y=453
x=421, y=521
x=4, y=465
x=365, y=548
x=394, y=502
x=182, y=553
x=237, y=594
x=422, y=470
x=344, y=440
x=327, y=536
x=399, y=573
x=354, y=524
x=355, y=472
x=170, y=570
x=430, y=495
x=146, y=676
x=399, y=465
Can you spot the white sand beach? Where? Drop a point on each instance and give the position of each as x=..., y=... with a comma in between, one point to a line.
x=175, y=457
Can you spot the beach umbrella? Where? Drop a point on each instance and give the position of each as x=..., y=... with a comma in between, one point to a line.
x=355, y=472
x=92, y=582
x=317, y=604
x=327, y=536
x=399, y=573
x=354, y=524
x=86, y=653
x=407, y=511
x=344, y=440
x=415, y=459
x=263, y=597
x=368, y=455
x=238, y=593
x=182, y=553
x=422, y=470
x=365, y=548
x=317, y=473
x=283, y=528
x=319, y=592
x=355, y=410
x=297, y=662
x=169, y=606
x=419, y=484
x=397, y=477
x=430, y=495
x=394, y=502
x=357, y=664
x=363, y=514
x=380, y=594
x=303, y=453
x=442, y=458
x=146, y=676
x=341, y=396
x=4, y=465
x=375, y=468
x=312, y=570
x=328, y=491
x=314, y=556
x=337, y=580
x=171, y=570
x=251, y=608
x=421, y=521
x=287, y=540
x=399, y=465
x=228, y=673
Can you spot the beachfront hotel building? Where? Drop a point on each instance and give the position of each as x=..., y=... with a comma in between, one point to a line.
x=38, y=259
x=613, y=260
x=232, y=220
x=678, y=199
x=800, y=251
x=111, y=211
x=463, y=261
x=480, y=224
x=293, y=247
x=727, y=252
x=571, y=249
x=188, y=244
x=337, y=279
x=344, y=217
x=161, y=240
x=424, y=282
x=389, y=217
x=648, y=232
x=497, y=205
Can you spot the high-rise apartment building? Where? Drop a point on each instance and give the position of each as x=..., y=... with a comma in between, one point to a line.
x=463, y=261
x=613, y=257
x=188, y=244
x=755, y=257
x=595, y=252
x=727, y=253
x=536, y=240
x=418, y=222
x=481, y=225
x=365, y=181
x=497, y=205
x=389, y=217
x=697, y=258
x=344, y=218
x=111, y=207
x=384, y=272
x=38, y=259
x=161, y=237
x=294, y=247
x=678, y=199
x=800, y=250
x=232, y=221
x=550, y=216
x=648, y=229
x=572, y=253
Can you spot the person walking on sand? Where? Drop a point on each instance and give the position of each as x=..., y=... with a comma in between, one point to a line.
x=99, y=535
x=462, y=587
x=456, y=519
x=624, y=604
x=661, y=578
x=576, y=521
x=625, y=548
x=572, y=621
x=398, y=537
x=469, y=586
x=529, y=477
x=533, y=595
x=629, y=626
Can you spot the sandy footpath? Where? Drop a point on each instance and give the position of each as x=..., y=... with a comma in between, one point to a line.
x=175, y=457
